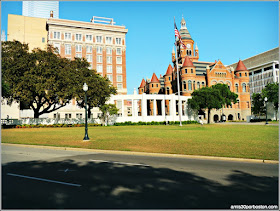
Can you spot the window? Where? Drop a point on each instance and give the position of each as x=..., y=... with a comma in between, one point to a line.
x=236, y=87
x=78, y=48
x=109, y=59
x=79, y=116
x=169, y=78
x=99, y=39
x=243, y=87
x=119, y=60
x=184, y=85
x=56, y=35
x=43, y=40
x=119, y=69
x=239, y=74
x=68, y=49
x=245, y=74
x=89, y=38
x=99, y=58
x=194, y=85
x=119, y=51
x=99, y=49
x=78, y=37
x=118, y=41
x=90, y=66
x=198, y=85
x=191, y=70
x=119, y=78
x=119, y=86
x=189, y=85
x=89, y=49
x=89, y=58
x=99, y=68
x=67, y=36
x=203, y=84
x=109, y=50
x=248, y=105
x=68, y=116
x=110, y=77
x=108, y=40
x=57, y=46
x=78, y=55
x=167, y=90
x=109, y=68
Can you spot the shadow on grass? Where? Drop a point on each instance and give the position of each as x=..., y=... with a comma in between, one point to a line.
x=110, y=186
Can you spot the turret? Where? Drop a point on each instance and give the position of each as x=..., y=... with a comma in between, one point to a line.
x=154, y=85
x=141, y=88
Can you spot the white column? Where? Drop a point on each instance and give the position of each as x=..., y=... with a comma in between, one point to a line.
x=163, y=107
x=135, y=107
x=173, y=107
x=132, y=109
x=122, y=108
x=274, y=73
x=155, y=110
x=144, y=105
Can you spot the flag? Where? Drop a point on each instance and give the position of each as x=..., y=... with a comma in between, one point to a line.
x=177, y=34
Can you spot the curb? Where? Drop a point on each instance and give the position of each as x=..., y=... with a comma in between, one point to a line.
x=201, y=157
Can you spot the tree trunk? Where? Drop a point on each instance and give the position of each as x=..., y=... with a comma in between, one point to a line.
x=208, y=116
x=89, y=112
x=36, y=114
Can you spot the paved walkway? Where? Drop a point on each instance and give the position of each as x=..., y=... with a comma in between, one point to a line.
x=247, y=123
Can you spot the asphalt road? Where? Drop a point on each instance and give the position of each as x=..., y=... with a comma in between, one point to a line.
x=46, y=178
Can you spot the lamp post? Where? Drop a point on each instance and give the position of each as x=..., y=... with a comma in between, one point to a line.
x=85, y=88
x=265, y=99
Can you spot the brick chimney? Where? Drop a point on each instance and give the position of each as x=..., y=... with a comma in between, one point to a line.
x=51, y=14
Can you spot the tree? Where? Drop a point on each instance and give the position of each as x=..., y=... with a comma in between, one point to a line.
x=228, y=97
x=41, y=79
x=271, y=91
x=5, y=89
x=258, y=107
x=108, y=110
x=99, y=91
x=206, y=98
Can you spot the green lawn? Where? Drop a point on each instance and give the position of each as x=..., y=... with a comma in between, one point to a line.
x=242, y=141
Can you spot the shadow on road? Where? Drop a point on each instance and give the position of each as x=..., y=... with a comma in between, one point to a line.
x=109, y=186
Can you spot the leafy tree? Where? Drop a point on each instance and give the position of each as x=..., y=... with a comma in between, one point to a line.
x=271, y=91
x=258, y=106
x=5, y=89
x=206, y=98
x=228, y=97
x=99, y=88
x=108, y=110
x=40, y=79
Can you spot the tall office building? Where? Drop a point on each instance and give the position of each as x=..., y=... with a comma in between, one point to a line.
x=40, y=9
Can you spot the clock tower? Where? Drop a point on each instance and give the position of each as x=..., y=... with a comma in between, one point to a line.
x=189, y=43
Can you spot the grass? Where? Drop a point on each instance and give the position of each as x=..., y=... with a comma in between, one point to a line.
x=242, y=141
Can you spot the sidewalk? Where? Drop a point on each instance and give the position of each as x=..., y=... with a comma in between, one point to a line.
x=247, y=123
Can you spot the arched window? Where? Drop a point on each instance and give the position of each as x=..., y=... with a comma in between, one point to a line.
x=189, y=85
x=236, y=87
x=203, y=84
x=184, y=85
x=191, y=70
x=243, y=87
x=194, y=85
x=198, y=85
x=167, y=90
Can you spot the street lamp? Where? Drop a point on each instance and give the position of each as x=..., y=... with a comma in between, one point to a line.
x=85, y=88
x=265, y=99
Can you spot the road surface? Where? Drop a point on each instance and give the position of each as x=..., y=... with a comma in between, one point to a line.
x=34, y=178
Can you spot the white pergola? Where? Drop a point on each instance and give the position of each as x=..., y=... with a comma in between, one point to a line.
x=144, y=99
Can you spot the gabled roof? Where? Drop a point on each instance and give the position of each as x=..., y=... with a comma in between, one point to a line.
x=188, y=62
x=169, y=70
x=240, y=66
x=154, y=79
x=143, y=83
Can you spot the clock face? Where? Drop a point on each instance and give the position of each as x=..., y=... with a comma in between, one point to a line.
x=188, y=46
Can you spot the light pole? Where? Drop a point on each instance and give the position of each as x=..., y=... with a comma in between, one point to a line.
x=265, y=99
x=85, y=88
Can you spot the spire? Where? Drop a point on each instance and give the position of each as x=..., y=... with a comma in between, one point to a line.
x=143, y=83
x=173, y=50
x=196, y=48
x=154, y=79
x=188, y=62
x=184, y=31
x=240, y=66
x=169, y=70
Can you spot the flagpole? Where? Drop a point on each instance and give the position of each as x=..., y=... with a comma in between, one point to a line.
x=178, y=85
x=178, y=39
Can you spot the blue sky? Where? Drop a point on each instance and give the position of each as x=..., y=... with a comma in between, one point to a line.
x=222, y=30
